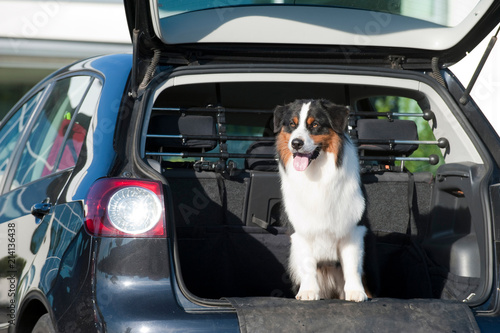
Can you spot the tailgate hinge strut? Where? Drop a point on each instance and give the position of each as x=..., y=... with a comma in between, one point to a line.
x=465, y=97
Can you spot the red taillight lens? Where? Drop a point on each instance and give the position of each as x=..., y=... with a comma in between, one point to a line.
x=125, y=208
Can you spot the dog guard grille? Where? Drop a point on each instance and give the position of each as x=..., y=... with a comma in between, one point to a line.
x=384, y=147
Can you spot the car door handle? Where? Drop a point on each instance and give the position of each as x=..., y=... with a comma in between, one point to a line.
x=41, y=209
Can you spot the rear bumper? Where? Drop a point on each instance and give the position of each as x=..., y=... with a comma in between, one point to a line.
x=130, y=290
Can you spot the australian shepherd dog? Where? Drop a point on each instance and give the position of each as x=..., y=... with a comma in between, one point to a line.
x=323, y=200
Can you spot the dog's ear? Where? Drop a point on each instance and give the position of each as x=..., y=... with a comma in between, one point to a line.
x=344, y=113
x=278, y=117
x=338, y=115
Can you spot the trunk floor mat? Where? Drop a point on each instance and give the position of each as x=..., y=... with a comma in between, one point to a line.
x=267, y=314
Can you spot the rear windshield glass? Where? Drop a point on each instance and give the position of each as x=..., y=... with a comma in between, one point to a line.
x=442, y=12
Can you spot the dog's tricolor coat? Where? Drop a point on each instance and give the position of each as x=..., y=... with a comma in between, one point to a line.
x=320, y=182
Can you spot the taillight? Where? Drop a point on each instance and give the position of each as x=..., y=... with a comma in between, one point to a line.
x=125, y=208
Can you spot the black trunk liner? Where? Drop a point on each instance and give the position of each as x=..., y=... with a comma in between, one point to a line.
x=267, y=314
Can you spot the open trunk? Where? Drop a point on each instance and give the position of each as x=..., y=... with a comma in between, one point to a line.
x=232, y=240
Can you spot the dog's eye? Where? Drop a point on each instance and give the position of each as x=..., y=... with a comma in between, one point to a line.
x=315, y=124
x=293, y=124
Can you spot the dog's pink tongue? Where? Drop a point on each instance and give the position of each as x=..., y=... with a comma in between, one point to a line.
x=300, y=162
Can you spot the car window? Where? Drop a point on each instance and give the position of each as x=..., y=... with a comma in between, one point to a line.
x=436, y=11
x=74, y=139
x=12, y=129
x=42, y=148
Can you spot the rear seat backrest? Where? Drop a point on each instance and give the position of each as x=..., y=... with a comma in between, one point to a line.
x=261, y=164
x=263, y=200
x=196, y=197
x=386, y=195
x=387, y=192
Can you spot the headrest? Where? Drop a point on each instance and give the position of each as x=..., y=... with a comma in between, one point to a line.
x=261, y=164
x=183, y=125
x=384, y=129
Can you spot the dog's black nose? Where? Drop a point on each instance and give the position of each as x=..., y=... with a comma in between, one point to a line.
x=297, y=143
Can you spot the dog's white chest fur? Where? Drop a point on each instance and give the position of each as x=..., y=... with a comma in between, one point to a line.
x=324, y=198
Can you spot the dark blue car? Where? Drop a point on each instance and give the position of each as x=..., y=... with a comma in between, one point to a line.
x=140, y=192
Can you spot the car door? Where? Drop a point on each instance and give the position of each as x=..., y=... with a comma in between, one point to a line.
x=33, y=175
x=10, y=134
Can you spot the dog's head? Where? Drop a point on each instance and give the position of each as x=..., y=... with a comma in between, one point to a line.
x=307, y=128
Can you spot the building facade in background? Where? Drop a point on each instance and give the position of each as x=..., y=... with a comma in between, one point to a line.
x=38, y=37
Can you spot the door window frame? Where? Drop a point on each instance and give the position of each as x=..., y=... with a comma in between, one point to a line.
x=48, y=86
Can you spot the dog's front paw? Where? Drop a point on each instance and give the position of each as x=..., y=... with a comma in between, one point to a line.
x=355, y=295
x=307, y=295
